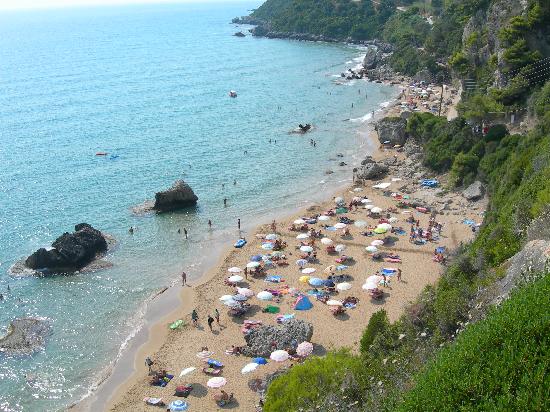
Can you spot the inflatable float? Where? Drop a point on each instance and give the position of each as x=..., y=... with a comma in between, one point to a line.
x=240, y=243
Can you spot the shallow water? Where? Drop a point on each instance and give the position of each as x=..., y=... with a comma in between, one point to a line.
x=149, y=84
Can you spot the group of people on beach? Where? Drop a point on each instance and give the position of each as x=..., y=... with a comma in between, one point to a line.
x=210, y=319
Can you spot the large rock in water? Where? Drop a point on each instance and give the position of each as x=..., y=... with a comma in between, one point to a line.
x=180, y=195
x=25, y=335
x=474, y=192
x=259, y=342
x=70, y=251
x=370, y=169
x=392, y=130
x=372, y=57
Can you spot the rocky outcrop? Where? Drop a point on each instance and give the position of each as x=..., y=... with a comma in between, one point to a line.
x=70, y=251
x=372, y=57
x=247, y=20
x=392, y=130
x=259, y=342
x=239, y=34
x=25, y=336
x=179, y=196
x=474, y=192
x=371, y=170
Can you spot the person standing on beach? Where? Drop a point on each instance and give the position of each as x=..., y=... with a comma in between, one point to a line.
x=217, y=316
x=209, y=223
x=246, y=272
x=149, y=363
x=195, y=317
x=239, y=224
x=185, y=232
x=210, y=322
x=225, y=202
x=183, y=278
x=399, y=275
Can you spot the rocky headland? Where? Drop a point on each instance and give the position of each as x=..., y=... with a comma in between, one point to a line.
x=179, y=196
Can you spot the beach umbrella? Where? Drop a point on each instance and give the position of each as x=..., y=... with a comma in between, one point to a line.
x=249, y=367
x=279, y=356
x=386, y=226
x=370, y=286
x=343, y=286
x=216, y=382
x=330, y=269
x=252, y=265
x=377, y=242
x=306, y=249
x=342, y=267
x=304, y=349
x=301, y=262
x=308, y=271
x=277, y=253
x=232, y=303
x=340, y=248
x=260, y=361
x=225, y=298
x=356, y=199
x=178, y=405
x=375, y=279
x=187, y=371
x=329, y=283
x=370, y=207
x=302, y=236
x=265, y=295
x=371, y=249
x=326, y=241
x=256, y=258
x=334, y=302
x=234, y=270
x=267, y=246
x=304, y=279
x=299, y=221
x=360, y=223
x=245, y=292
x=340, y=225
x=380, y=230
x=338, y=200
x=240, y=298
x=316, y=282
x=376, y=209
x=323, y=218
x=365, y=201
x=235, y=278
x=205, y=354
x=392, y=219
x=271, y=236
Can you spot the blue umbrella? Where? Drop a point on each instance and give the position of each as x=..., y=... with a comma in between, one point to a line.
x=259, y=361
x=341, y=267
x=178, y=406
x=256, y=258
x=316, y=282
x=329, y=283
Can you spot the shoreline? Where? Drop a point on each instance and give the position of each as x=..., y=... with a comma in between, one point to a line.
x=151, y=334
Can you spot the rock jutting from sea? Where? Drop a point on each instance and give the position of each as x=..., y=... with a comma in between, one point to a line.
x=70, y=251
x=179, y=196
x=25, y=336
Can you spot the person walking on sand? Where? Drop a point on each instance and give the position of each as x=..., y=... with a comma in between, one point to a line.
x=149, y=363
x=399, y=275
x=217, y=316
x=195, y=317
x=183, y=278
x=273, y=226
x=210, y=322
x=246, y=272
x=239, y=224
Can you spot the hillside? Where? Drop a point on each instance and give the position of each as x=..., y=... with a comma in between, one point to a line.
x=458, y=346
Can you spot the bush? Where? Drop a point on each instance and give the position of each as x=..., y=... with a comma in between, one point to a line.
x=377, y=324
x=500, y=363
x=464, y=169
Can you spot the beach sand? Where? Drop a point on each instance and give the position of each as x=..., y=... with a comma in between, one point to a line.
x=176, y=350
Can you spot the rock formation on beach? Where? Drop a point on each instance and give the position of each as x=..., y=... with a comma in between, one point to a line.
x=70, y=251
x=474, y=192
x=392, y=130
x=25, y=335
x=259, y=342
x=179, y=196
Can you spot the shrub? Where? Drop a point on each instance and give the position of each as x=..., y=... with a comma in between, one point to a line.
x=377, y=324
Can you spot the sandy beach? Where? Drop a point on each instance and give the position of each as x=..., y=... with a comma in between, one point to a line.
x=175, y=350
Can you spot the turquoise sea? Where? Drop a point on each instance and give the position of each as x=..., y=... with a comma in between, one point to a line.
x=150, y=85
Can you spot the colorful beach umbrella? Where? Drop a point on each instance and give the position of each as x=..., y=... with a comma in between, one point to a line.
x=380, y=230
x=216, y=382
x=304, y=279
x=301, y=262
x=245, y=292
x=386, y=226
x=304, y=349
x=260, y=361
x=256, y=258
x=316, y=282
x=279, y=355
x=178, y=405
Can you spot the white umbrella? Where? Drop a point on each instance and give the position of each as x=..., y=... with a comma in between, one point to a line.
x=340, y=248
x=369, y=286
x=239, y=298
x=267, y=246
x=376, y=209
x=271, y=236
x=334, y=302
x=356, y=199
x=245, y=292
x=225, y=298
x=235, y=278
x=234, y=270
x=343, y=286
x=306, y=249
x=249, y=367
x=338, y=200
x=265, y=295
x=323, y=218
x=302, y=236
x=340, y=225
x=187, y=371
x=307, y=271
x=279, y=356
x=365, y=201
x=386, y=226
x=370, y=207
x=326, y=241
x=299, y=221
x=392, y=219
x=304, y=349
x=374, y=279
x=377, y=242
x=371, y=249
x=216, y=382
x=232, y=303
x=360, y=223
x=252, y=265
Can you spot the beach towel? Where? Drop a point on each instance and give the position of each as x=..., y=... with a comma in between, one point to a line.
x=271, y=309
x=389, y=271
x=392, y=260
x=176, y=324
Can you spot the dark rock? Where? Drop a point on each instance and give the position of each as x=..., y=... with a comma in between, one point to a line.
x=372, y=170
x=70, y=251
x=392, y=130
x=329, y=172
x=239, y=34
x=179, y=196
x=259, y=342
x=372, y=57
x=342, y=164
x=25, y=336
x=474, y=192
